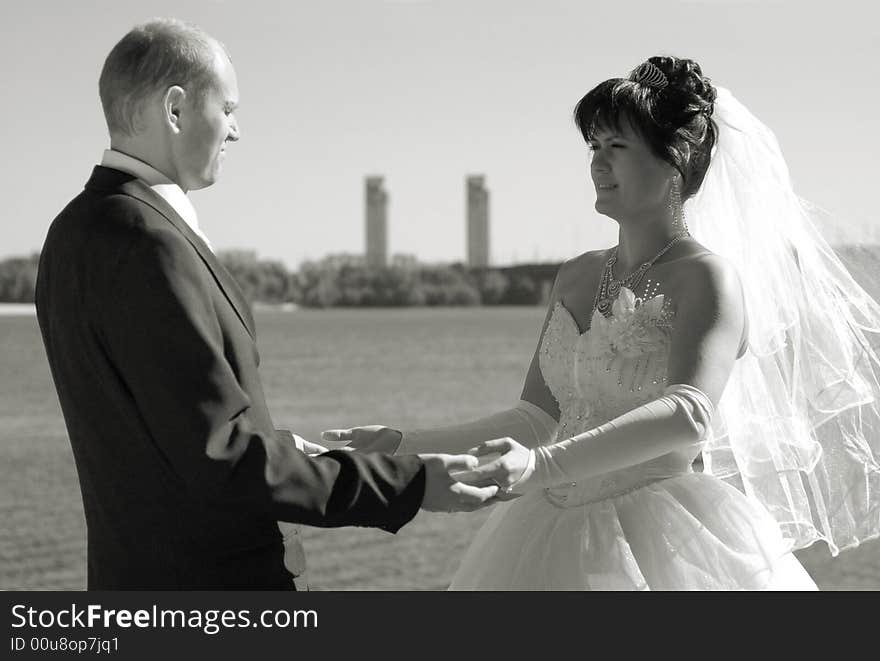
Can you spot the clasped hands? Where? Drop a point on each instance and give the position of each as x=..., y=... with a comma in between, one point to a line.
x=493, y=471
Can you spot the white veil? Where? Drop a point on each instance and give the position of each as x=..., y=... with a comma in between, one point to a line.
x=798, y=427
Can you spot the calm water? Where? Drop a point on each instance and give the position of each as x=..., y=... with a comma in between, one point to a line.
x=322, y=369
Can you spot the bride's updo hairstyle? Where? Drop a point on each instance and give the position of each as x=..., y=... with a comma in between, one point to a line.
x=669, y=103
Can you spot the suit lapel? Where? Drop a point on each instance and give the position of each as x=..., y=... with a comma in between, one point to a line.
x=137, y=189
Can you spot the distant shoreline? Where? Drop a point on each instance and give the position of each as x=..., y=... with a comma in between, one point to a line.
x=29, y=310
x=275, y=307
x=17, y=310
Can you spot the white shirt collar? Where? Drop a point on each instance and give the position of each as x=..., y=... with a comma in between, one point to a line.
x=162, y=185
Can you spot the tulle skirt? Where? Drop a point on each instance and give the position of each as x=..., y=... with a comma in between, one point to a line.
x=690, y=532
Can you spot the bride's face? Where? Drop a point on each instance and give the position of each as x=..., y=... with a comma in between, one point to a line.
x=631, y=182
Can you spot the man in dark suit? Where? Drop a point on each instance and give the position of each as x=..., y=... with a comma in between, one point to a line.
x=152, y=349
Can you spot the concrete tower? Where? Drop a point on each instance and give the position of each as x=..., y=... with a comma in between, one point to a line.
x=477, y=221
x=376, y=212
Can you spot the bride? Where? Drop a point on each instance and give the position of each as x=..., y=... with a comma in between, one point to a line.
x=740, y=340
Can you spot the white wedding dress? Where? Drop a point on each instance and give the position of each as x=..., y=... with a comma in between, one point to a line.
x=654, y=526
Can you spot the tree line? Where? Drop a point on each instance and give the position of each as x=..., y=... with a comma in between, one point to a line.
x=347, y=280
x=344, y=280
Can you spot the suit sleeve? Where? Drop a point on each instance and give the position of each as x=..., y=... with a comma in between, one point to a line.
x=164, y=338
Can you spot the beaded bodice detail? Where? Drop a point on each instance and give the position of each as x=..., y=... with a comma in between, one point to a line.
x=614, y=366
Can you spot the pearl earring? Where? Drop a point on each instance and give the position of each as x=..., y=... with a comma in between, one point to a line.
x=676, y=210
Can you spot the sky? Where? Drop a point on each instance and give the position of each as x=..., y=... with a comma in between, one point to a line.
x=425, y=93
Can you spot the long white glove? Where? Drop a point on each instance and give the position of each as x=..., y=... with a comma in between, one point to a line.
x=526, y=423
x=678, y=419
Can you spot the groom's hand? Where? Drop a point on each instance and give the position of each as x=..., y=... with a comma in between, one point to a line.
x=372, y=438
x=312, y=449
x=445, y=494
x=309, y=448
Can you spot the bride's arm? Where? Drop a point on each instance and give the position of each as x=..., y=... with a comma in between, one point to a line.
x=532, y=421
x=707, y=334
x=528, y=424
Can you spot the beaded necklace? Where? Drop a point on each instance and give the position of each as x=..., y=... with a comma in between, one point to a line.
x=609, y=286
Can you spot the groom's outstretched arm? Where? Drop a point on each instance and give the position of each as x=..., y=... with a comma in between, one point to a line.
x=163, y=335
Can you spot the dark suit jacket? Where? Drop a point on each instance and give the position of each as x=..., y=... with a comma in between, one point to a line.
x=152, y=348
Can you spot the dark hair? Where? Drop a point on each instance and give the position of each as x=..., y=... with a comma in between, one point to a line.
x=154, y=55
x=675, y=121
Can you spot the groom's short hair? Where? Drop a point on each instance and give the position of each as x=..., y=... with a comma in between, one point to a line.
x=152, y=57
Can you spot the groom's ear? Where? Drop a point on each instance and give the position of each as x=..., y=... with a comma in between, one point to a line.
x=172, y=104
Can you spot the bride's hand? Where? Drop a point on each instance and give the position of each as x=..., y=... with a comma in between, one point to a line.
x=507, y=464
x=372, y=438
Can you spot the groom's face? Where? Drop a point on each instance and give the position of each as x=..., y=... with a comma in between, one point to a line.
x=210, y=127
